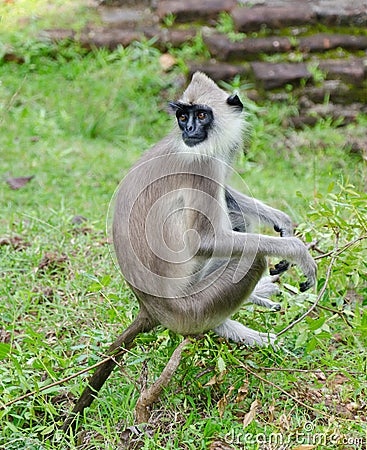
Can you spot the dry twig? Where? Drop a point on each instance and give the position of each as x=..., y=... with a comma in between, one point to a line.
x=13, y=98
x=292, y=397
x=270, y=383
x=314, y=371
x=151, y=395
x=341, y=314
x=57, y=383
x=338, y=251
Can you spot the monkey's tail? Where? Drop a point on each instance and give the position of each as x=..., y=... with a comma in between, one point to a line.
x=141, y=324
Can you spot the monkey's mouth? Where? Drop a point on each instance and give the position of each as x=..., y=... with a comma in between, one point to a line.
x=191, y=141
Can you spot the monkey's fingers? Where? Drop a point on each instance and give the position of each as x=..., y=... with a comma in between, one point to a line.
x=305, y=285
x=284, y=231
x=279, y=268
x=310, y=270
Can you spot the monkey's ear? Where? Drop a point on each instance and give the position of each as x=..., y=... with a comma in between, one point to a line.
x=174, y=106
x=235, y=101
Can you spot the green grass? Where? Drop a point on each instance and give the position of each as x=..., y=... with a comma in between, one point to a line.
x=29, y=17
x=77, y=122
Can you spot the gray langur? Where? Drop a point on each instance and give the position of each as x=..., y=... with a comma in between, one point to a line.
x=183, y=238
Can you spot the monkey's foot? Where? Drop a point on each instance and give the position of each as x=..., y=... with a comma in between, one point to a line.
x=264, y=289
x=235, y=331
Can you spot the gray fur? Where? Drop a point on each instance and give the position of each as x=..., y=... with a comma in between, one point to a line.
x=175, y=232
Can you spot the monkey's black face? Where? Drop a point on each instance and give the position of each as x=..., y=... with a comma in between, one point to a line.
x=194, y=121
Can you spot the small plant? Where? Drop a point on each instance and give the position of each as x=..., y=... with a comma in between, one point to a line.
x=191, y=51
x=318, y=75
x=225, y=25
x=169, y=20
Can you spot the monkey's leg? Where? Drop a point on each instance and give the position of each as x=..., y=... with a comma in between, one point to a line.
x=218, y=296
x=141, y=324
x=235, y=331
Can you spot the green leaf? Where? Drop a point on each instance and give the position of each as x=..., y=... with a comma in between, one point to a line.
x=323, y=335
x=362, y=326
x=316, y=324
x=291, y=288
x=311, y=345
x=5, y=349
x=221, y=364
x=301, y=339
x=48, y=429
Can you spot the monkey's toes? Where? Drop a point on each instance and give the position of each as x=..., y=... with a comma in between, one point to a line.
x=276, y=307
x=279, y=268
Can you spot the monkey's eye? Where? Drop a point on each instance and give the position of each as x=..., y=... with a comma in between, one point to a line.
x=201, y=115
x=182, y=118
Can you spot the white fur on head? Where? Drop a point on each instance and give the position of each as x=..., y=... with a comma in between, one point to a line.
x=226, y=135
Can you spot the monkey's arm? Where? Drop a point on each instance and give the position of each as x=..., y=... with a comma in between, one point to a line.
x=247, y=246
x=240, y=206
x=253, y=208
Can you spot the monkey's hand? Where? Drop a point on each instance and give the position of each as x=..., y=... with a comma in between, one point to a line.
x=306, y=263
x=284, y=226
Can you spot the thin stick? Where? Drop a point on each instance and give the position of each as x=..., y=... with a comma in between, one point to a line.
x=314, y=371
x=114, y=358
x=342, y=249
x=151, y=395
x=295, y=399
x=341, y=314
x=199, y=375
x=321, y=293
x=12, y=98
x=57, y=383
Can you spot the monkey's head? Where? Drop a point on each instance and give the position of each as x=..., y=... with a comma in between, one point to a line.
x=208, y=118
